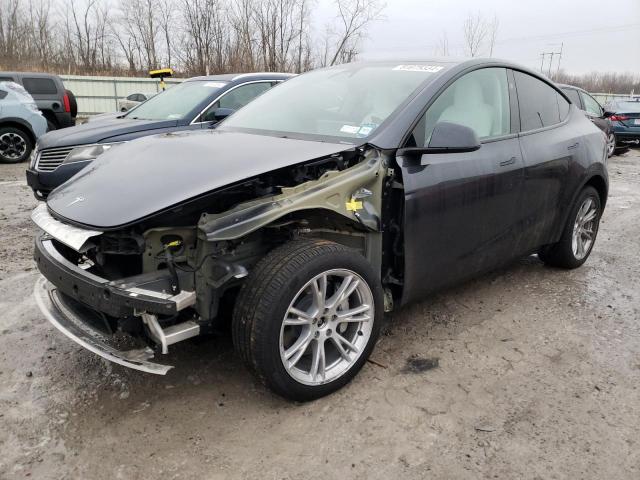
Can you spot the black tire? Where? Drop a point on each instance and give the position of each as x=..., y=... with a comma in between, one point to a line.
x=611, y=145
x=265, y=298
x=561, y=254
x=8, y=153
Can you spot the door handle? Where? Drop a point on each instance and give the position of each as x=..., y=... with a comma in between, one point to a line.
x=575, y=145
x=511, y=161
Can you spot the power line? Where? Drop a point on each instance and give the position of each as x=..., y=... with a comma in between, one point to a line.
x=572, y=33
x=566, y=34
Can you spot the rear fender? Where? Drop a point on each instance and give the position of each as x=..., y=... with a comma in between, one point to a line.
x=17, y=122
x=596, y=175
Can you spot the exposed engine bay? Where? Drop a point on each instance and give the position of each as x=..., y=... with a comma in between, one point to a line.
x=200, y=251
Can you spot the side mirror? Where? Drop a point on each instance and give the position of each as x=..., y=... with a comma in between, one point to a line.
x=607, y=114
x=217, y=115
x=220, y=114
x=447, y=138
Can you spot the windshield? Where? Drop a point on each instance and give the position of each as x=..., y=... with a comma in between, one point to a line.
x=346, y=102
x=176, y=102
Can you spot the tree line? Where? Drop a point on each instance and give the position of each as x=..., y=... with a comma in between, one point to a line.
x=597, y=82
x=195, y=37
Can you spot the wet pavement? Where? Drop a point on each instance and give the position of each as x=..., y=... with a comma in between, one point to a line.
x=529, y=372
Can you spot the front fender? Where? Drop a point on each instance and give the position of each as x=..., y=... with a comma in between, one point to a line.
x=354, y=193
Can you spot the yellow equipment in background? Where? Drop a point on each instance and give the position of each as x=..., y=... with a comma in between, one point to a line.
x=161, y=74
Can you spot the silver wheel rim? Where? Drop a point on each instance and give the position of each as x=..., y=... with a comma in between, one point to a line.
x=326, y=327
x=611, y=144
x=584, y=229
x=12, y=145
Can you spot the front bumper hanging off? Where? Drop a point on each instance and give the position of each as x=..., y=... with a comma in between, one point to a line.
x=70, y=322
x=77, y=300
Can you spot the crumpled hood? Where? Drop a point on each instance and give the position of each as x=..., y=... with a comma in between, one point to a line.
x=151, y=174
x=94, y=132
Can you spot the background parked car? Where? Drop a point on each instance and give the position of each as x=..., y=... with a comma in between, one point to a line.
x=133, y=100
x=57, y=104
x=596, y=113
x=624, y=116
x=197, y=103
x=21, y=123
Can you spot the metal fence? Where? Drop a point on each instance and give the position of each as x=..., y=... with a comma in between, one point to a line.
x=101, y=94
x=605, y=98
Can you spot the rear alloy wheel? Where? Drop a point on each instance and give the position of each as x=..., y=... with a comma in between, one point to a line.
x=308, y=317
x=584, y=228
x=579, y=234
x=611, y=144
x=15, y=145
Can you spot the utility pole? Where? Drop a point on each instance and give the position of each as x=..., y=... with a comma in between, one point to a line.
x=560, y=58
x=551, y=55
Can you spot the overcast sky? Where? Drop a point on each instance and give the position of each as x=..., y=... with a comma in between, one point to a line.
x=597, y=34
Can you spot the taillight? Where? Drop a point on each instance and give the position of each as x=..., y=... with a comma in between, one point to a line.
x=67, y=104
x=618, y=118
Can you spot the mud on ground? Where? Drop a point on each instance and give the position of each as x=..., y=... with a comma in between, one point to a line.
x=529, y=372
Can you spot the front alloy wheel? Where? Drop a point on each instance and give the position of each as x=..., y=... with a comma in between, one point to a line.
x=307, y=317
x=584, y=229
x=326, y=327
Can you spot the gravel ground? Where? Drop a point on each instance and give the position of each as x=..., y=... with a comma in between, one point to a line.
x=529, y=372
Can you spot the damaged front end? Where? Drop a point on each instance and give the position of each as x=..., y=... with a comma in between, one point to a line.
x=128, y=293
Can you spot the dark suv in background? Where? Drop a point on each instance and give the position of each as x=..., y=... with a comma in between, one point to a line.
x=596, y=113
x=197, y=103
x=57, y=104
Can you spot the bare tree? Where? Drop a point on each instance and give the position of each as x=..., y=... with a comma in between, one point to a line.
x=204, y=23
x=9, y=29
x=193, y=36
x=87, y=32
x=355, y=16
x=601, y=82
x=475, y=31
x=42, y=31
x=442, y=47
x=166, y=18
x=492, y=28
x=140, y=22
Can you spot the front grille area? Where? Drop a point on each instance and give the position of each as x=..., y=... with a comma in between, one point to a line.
x=51, y=158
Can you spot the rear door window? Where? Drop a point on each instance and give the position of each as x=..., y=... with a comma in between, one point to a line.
x=563, y=106
x=539, y=103
x=591, y=106
x=573, y=96
x=40, y=86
